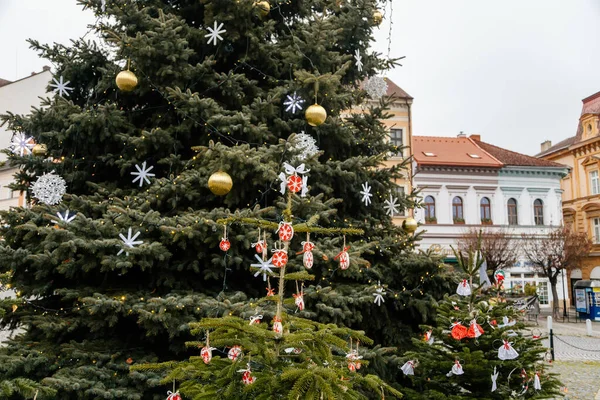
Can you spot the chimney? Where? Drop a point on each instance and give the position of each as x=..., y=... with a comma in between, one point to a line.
x=461, y=135
x=545, y=145
x=476, y=137
x=45, y=68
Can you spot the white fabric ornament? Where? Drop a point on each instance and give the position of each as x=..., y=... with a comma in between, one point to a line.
x=506, y=322
x=264, y=267
x=293, y=180
x=206, y=354
x=494, y=379
x=247, y=377
x=234, y=353
x=215, y=33
x=21, y=144
x=61, y=87
x=376, y=87
x=129, y=241
x=507, y=352
x=142, y=174
x=305, y=145
x=464, y=289
x=299, y=300
x=457, y=369
x=255, y=319
x=408, y=368
x=49, y=188
x=366, y=193
x=536, y=381
x=358, y=58
x=391, y=206
x=428, y=337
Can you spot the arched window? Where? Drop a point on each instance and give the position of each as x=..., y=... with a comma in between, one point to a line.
x=485, y=209
x=457, y=210
x=538, y=212
x=511, y=207
x=429, y=208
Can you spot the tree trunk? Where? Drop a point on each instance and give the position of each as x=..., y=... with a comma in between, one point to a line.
x=555, y=302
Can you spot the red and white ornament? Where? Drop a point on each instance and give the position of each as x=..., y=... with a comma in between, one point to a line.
x=507, y=352
x=464, y=289
x=352, y=366
x=294, y=183
x=286, y=231
x=235, y=353
x=307, y=248
x=474, y=330
x=277, y=326
x=173, y=396
x=206, y=354
x=299, y=300
x=292, y=179
x=247, y=377
x=408, y=368
x=224, y=244
x=280, y=258
x=255, y=319
x=344, y=258
x=260, y=246
x=458, y=331
x=270, y=292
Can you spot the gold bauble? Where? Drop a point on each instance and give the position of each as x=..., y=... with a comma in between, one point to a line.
x=263, y=7
x=315, y=115
x=377, y=17
x=40, y=150
x=126, y=81
x=410, y=225
x=220, y=183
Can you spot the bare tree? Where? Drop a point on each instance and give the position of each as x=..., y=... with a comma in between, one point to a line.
x=497, y=246
x=549, y=254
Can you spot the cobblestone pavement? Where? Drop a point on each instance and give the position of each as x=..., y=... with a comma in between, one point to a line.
x=581, y=380
x=575, y=348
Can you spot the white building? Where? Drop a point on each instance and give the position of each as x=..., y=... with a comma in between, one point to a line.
x=466, y=183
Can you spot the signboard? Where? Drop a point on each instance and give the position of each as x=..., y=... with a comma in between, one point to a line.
x=580, y=303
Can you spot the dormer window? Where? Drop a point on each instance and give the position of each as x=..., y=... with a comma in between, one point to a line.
x=427, y=154
x=473, y=155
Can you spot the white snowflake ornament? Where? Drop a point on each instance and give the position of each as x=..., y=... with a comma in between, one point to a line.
x=391, y=206
x=305, y=145
x=129, y=241
x=142, y=174
x=60, y=87
x=49, y=188
x=379, y=293
x=376, y=87
x=263, y=266
x=214, y=34
x=358, y=58
x=21, y=144
x=366, y=193
x=293, y=103
x=66, y=218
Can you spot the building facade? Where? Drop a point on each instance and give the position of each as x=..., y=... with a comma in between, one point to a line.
x=466, y=183
x=581, y=187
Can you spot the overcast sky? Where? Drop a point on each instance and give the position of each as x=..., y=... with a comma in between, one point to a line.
x=514, y=71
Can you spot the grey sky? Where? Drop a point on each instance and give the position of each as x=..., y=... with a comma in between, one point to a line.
x=514, y=71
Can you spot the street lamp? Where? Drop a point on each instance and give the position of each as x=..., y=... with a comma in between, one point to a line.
x=562, y=274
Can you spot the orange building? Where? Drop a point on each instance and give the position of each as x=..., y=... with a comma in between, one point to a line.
x=581, y=187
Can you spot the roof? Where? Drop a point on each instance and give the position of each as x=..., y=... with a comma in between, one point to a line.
x=563, y=144
x=591, y=104
x=511, y=158
x=459, y=151
x=4, y=82
x=396, y=91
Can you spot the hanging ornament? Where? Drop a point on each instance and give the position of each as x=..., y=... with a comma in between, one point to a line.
x=61, y=87
x=270, y=292
x=307, y=248
x=235, y=352
x=536, y=334
x=292, y=179
x=49, y=188
x=299, y=300
x=142, y=173
x=220, y=183
x=376, y=87
x=22, y=144
x=255, y=319
x=379, y=293
x=206, y=351
x=458, y=331
x=377, y=17
x=280, y=257
x=358, y=58
x=494, y=379
x=126, y=80
x=315, y=115
x=214, y=33
x=247, y=377
x=293, y=103
x=343, y=256
x=129, y=241
x=408, y=368
x=428, y=337
x=410, y=225
x=224, y=243
x=40, y=150
x=263, y=7
x=474, y=330
x=366, y=193
x=285, y=231
x=264, y=266
x=173, y=396
x=259, y=246
x=277, y=326
x=537, y=385
x=464, y=289
x=457, y=369
x=305, y=145
x=507, y=352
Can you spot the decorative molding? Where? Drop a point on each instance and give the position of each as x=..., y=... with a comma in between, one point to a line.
x=457, y=187
x=538, y=190
x=485, y=188
x=511, y=189
x=428, y=186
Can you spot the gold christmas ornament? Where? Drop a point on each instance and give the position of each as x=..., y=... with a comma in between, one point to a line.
x=377, y=17
x=220, y=183
x=409, y=225
x=315, y=115
x=126, y=81
x=263, y=7
x=40, y=150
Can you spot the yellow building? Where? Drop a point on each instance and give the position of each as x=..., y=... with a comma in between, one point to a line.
x=581, y=187
x=399, y=127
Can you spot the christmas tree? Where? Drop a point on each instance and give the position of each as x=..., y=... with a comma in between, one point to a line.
x=147, y=190
x=479, y=349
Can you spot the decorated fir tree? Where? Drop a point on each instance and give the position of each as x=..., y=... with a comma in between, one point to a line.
x=158, y=150
x=479, y=349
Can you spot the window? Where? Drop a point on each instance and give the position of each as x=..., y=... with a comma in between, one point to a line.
x=429, y=209
x=596, y=223
x=538, y=212
x=511, y=207
x=457, y=209
x=594, y=183
x=485, y=209
x=396, y=140
x=473, y=155
x=427, y=154
x=542, y=291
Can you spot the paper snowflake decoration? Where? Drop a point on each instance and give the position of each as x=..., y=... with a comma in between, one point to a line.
x=49, y=188
x=366, y=193
x=391, y=206
x=61, y=87
x=142, y=174
x=215, y=33
x=358, y=59
x=264, y=267
x=293, y=102
x=379, y=293
x=305, y=145
x=21, y=144
x=129, y=241
x=66, y=218
x=376, y=87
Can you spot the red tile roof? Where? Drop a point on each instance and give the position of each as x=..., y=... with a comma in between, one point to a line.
x=511, y=158
x=451, y=151
x=563, y=144
x=396, y=91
